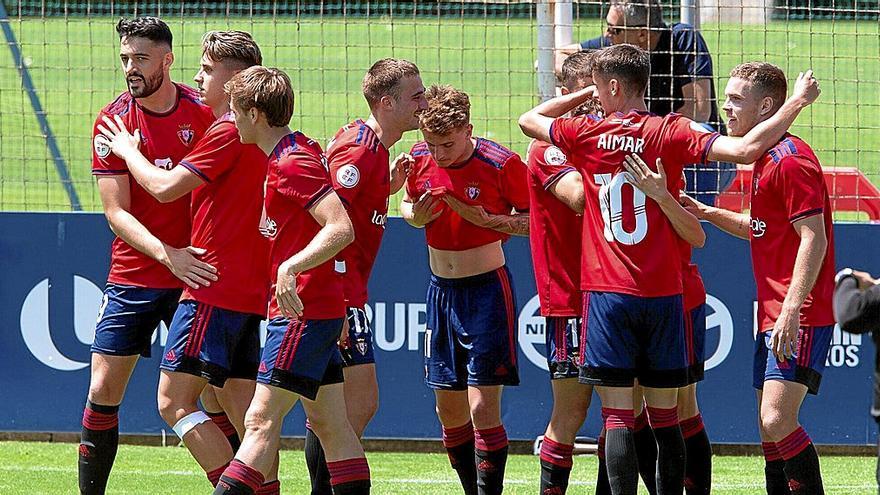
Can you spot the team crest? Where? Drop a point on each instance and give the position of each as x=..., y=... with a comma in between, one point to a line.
x=472, y=191
x=361, y=346
x=554, y=156
x=348, y=176
x=186, y=134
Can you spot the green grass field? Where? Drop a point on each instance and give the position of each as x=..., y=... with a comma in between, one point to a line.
x=50, y=468
x=73, y=62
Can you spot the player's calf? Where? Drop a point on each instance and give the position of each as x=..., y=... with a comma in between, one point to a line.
x=570, y=403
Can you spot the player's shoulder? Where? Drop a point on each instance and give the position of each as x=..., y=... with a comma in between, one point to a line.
x=223, y=125
x=121, y=105
x=542, y=152
x=355, y=134
x=792, y=151
x=189, y=95
x=492, y=153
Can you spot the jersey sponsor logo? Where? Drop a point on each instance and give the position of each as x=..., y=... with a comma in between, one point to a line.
x=627, y=144
x=379, y=219
x=758, y=226
x=186, y=134
x=472, y=190
x=625, y=122
x=348, y=176
x=102, y=146
x=164, y=163
x=269, y=228
x=554, y=156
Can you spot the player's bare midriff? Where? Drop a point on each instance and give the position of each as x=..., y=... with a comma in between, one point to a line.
x=467, y=263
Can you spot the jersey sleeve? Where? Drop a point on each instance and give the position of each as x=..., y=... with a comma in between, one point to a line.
x=411, y=184
x=548, y=164
x=565, y=133
x=104, y=162
x=515, y=183
x=214, y=154
x=303, y=178
x=800, y=183
x=687, y=142
x=350, y=165
x=695, y=54
x=595, y=43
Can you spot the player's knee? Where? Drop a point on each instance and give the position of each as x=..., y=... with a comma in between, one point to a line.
x=485, y=413
x=260, y=424
x=104, y=390
x=776, y=424
x=172, y=408
x=567, y=419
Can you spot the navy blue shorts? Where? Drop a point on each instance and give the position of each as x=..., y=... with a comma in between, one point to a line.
x=561, y=336
x=628, y=337
x=129, y=316
x=695, y=340
x=357, y=348
x=301, y=355
x=805, y=367
x=213, y=343
x=470, y=339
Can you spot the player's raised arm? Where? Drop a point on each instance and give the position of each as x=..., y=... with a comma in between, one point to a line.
x=654, y=185
x=164, y=185
x=537, y=121
x=766, y=134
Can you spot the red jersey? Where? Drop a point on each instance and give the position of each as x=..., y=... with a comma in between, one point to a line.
x=359, y=170
x=225, y=210
x=296, y=180
x=694, y=291
x=788, y=185
x=493, y=177
x=165, y=139
x=630, y=238
x=554, y=234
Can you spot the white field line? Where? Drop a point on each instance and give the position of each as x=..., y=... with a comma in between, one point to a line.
x=402, y=481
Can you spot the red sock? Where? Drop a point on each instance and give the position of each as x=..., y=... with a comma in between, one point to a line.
x=355, y=470
x=214, y=476
x=269, y=488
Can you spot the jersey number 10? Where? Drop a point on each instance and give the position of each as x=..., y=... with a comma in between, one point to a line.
x=611, y=204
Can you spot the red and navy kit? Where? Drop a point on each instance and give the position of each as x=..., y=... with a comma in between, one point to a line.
x=226, y=210
x=301, y=354
x=694, y=300
x=635, y=229
x=297, y=179
x=165, y=139
x=787, y=186
x=555, y=239
x=215, y=332
x=359, y=170
x=633, y=311
x=493, y=177
x=471, y=321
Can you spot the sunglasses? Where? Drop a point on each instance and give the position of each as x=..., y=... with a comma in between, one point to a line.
x=616, y=30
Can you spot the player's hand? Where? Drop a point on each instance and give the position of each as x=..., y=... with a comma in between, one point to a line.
x=653, y=184
x=474, y=214
x=692, y=206
x=426, y=210
x=784, y=337
x=400, y=168
x=806, y=87
x=289, y=303
x=186, y=266
x=121, y=142
x=865, y=279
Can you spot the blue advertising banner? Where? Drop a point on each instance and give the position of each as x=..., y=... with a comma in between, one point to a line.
x=54, y=267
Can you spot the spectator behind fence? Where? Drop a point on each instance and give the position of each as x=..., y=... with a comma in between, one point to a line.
x=681, y=78
x=857, y=311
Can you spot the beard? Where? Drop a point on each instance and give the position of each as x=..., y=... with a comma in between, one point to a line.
x=150, y=85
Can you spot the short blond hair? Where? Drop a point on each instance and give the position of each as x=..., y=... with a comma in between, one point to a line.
x=766, y=79
x=384, y=77
x=266, y=89
x=236, y=47
x=448, y=109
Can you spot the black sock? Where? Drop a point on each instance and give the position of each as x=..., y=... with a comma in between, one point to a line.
x=698, y=456
x=350, y=476
x=459, y=443
x=620, y=451
x=602, y=485
x=555, y=466
x=670, y=450
x=774, y=473
x=490, y=456
x=801, y=463
x=317, y=464
x=222, y=421
x=646, y=450
x=239, y=479
x=97, y=449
